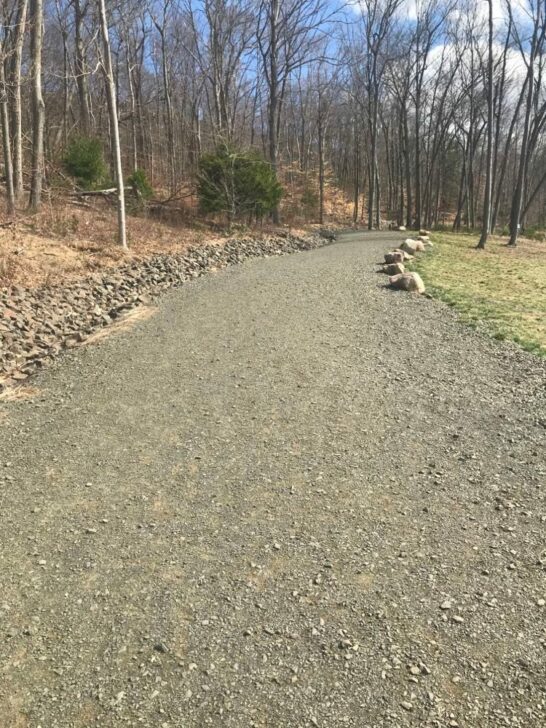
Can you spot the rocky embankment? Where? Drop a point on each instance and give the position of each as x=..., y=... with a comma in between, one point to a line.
x=36, y=324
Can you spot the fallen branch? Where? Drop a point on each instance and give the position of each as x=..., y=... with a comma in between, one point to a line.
x=99, y=193
x=81, y=203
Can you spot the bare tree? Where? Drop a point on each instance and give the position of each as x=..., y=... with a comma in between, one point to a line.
x=377, y=18
x=161, y=23
x=532, y=53
x=106, y=63
x=38, y=107
x=486, y=219
x=81, y=8
x=322, y=121
x=14, y=50
x=223, y=39
x=4, y=126
x=290, y=34
x=405, y=127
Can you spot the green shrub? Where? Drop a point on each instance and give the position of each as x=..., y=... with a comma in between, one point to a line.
x=85, y=162
x=237, y=183
x=534, y=233
x=139, y=182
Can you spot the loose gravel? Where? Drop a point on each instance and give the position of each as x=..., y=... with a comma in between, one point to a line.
x=36, y=324
x=291, y=498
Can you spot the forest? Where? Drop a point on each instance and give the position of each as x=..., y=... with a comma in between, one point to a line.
x=425, y=113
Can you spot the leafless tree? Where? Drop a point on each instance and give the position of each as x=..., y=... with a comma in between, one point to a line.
x=532, y=54
x=38, y=106
x=486, y=218
x=290, y=34
x=106, y=63
x=432, y=117
x=4, y=126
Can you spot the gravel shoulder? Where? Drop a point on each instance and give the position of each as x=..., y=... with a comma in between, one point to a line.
x=290, y=498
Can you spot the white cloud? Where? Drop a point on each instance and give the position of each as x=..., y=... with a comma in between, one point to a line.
x=409, y=9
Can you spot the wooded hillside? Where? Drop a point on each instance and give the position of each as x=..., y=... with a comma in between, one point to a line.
x=425, y=113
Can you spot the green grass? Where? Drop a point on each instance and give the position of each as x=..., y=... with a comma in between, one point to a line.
x=503, y=288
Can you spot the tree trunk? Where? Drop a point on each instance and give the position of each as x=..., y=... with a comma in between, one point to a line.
x=273, y=96
x=517, y=198
x=534, y=193
x=38, y=107
x=498, y=127
x=486, y=221
x=400, y=216
x=356, y=174
x=372, y=167
x=321, y=161
x=66, y=92
x=4, y=123
x=377, y=198
x=407, y=171
x=505, y=157
x=418, y=158
x=114, y=124
x=16, y=115
x=169, y=115
x=134, y=144
x=81, y=69
x=461, y=195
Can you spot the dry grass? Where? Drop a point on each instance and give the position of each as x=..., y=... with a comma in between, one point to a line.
x=16, y=394
x=66, y=242
x=505, y=288
x=141, y=313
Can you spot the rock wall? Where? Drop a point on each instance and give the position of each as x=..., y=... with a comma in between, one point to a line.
x=36, y=324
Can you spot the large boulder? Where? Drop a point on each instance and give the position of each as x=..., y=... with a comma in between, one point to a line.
x=405, y=256
x=402, y=228
x=408, y=282
x=394, y=269
x=412, y=246
x=395, y=256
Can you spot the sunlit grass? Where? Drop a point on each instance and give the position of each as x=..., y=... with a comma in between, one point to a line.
x=502, y=287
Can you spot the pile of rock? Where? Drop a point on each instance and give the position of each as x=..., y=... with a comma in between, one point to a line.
x=395, y=259
x=36, y=324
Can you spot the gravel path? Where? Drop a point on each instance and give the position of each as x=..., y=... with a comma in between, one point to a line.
x=291, y=498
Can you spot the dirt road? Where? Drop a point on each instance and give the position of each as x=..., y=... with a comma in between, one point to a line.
x=290, y=498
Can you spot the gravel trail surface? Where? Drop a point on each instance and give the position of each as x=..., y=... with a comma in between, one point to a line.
x=290, y=498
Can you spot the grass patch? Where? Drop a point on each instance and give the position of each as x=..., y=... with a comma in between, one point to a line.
x=502, y=288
